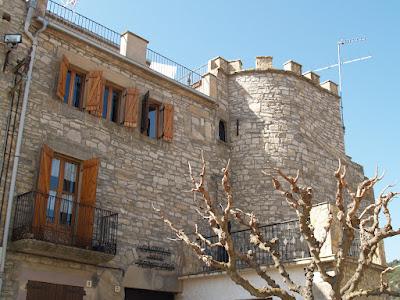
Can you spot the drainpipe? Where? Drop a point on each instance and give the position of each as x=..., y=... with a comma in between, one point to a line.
x=34, y=39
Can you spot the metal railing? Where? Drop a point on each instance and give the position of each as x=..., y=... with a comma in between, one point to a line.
x=62, y=221
x=82, y=23
x=292, y=245
x=172, y=69
x=155, y=61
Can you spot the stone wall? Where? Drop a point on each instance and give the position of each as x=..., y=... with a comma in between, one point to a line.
x=288, y=122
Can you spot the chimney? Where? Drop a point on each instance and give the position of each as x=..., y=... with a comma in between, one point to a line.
x=263, y=62
x=313, y=76
x=292, y=66
x=133, y=47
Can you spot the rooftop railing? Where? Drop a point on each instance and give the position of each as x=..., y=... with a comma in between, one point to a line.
x=82, y=23
x=155, y=60
x=61, y=221
x=171, y=69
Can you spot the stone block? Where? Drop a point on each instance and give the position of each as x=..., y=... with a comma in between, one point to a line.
x=235, y=66
x=330, y=86
x=293, y=67
x=263, y=62
x=314, y=77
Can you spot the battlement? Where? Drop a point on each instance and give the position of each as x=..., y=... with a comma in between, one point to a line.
x=265, y=63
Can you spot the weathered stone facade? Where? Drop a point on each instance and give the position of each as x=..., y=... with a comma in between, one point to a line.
x=275, y=118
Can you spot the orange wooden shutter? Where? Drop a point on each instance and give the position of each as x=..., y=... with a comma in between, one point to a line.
x=160, y=125
x=168, y=122
x=131, y=107
x=121, y=108
x=94, y=92
x=43, y=187
x=62, y=78
x=90, y=169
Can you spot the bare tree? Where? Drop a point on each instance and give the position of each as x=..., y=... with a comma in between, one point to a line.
x=351, y=218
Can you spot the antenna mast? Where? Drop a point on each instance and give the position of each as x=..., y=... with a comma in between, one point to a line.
x=340, y=63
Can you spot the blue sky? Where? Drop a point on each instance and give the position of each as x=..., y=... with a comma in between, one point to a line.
x=192, y=32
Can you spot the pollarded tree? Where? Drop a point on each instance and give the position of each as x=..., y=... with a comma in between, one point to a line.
x=352, y=218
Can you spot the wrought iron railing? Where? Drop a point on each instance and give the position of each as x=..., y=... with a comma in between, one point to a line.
x=62, y=221
x=172, y=69
x=80, y=22
x=291, y=245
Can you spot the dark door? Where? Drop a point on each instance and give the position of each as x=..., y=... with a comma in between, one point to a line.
x=138, y=294
x=47, y=291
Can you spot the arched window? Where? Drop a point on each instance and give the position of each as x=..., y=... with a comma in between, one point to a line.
x=222, y=130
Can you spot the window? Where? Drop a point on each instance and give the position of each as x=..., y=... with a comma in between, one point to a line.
x=153, y=120
x=63, y=190
x=74, y=84
x=157, y=119
x=111, y=103
x=71, y=83
x=222, y=131
x=57, y=209
x=152, y=115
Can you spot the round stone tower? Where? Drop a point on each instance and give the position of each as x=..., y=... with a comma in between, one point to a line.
x=280, y=119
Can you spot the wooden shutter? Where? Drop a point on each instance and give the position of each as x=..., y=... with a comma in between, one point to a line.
x=94, y=94
x=168, y=122
x=121, y=108
x=131, y=107
x=160, y=125
x=145, y=112
x=62, y=78
x=90, y=169
x=43, y=187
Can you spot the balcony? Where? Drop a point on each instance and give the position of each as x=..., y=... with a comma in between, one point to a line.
x=292, y=247
x=52, y=226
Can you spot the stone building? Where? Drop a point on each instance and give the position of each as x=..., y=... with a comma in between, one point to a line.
x=109, y=130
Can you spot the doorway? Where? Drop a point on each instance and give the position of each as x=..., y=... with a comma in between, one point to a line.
x=138, y=294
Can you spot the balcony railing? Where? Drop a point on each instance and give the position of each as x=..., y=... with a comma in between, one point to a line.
x=61, y=221
x=291, y=245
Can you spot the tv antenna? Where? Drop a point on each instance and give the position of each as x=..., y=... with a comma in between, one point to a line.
x=340, y=63
x=69, y=3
